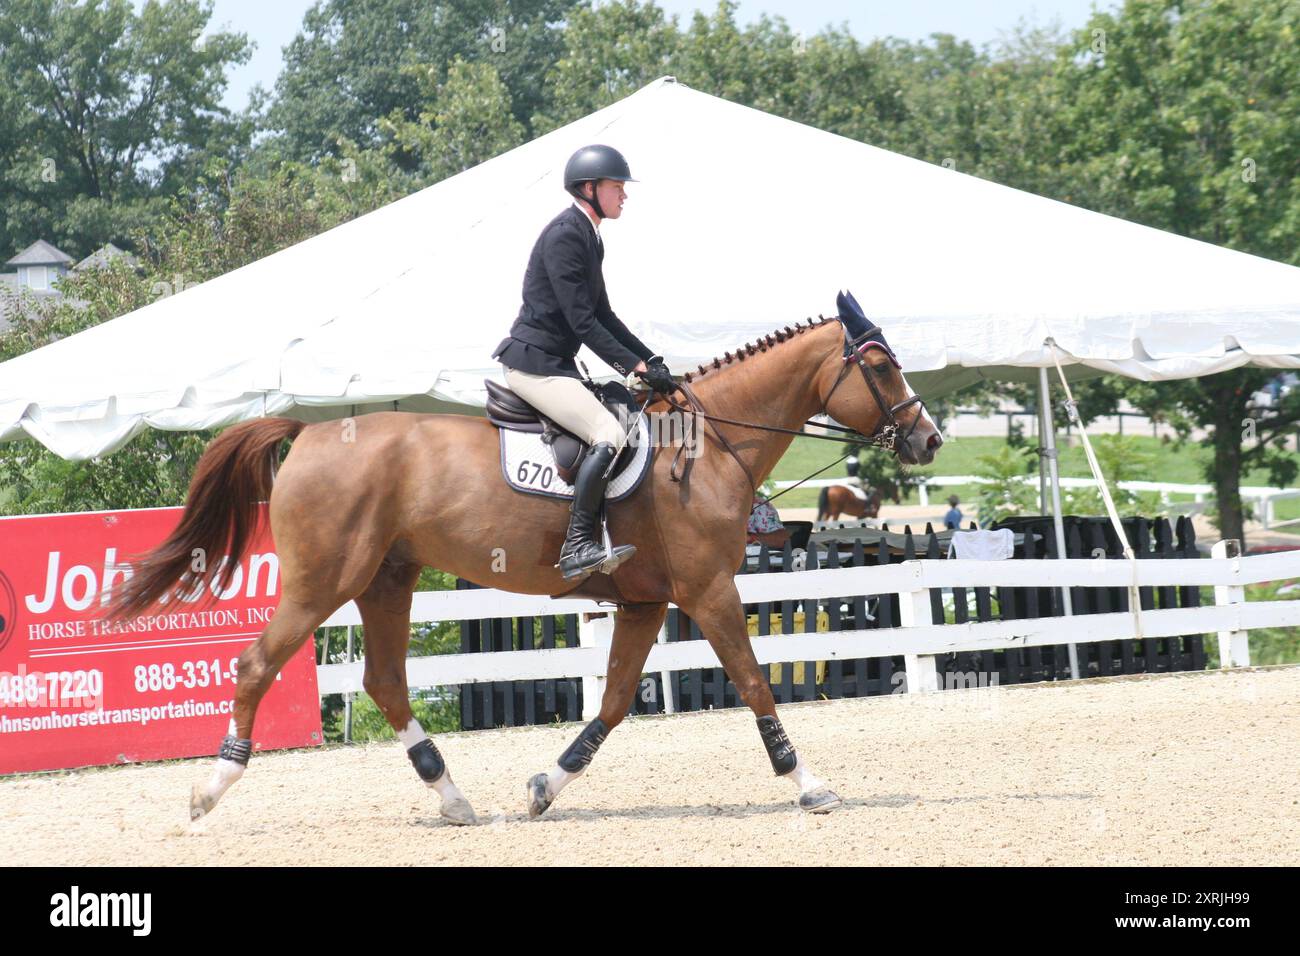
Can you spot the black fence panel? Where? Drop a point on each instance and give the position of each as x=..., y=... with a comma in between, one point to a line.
x=518, y=703
x=1090, y=537
x=536, y=702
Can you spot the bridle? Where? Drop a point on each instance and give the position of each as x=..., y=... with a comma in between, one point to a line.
x=886, y=434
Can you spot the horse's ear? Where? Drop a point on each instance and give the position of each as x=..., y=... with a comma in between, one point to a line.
x=849, y=305
x=851, y=314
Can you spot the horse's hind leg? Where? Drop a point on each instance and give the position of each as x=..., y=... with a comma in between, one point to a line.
x=386, y=614
x=292, y=624
x=635, y=630
x=721, y=617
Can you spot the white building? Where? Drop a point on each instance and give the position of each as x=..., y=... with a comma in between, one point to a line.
x=38, y=271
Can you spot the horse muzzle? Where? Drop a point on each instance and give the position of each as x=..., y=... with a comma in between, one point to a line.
x=920, y=447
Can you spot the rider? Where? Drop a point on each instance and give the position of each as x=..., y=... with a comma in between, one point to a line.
x=565, y=305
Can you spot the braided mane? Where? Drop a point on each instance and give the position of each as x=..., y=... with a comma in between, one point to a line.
x=760, y=345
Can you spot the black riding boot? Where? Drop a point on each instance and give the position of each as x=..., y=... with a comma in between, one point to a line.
x=583, y=552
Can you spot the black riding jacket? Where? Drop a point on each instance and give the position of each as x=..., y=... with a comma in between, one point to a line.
x=565, y=305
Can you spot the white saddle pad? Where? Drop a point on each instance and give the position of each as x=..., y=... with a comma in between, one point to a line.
x=529, y=466
x=857, y=491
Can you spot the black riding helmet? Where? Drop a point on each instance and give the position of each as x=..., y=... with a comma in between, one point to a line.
x=590, y=164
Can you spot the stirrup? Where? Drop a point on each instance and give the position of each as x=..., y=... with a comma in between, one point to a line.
x=606, y=561
x=619, y=555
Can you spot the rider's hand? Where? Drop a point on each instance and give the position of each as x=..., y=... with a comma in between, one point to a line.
x=656, y=375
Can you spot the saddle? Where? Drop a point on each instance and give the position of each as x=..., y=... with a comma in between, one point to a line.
x=507, y=410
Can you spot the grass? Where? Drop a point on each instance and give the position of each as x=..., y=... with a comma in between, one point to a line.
x=959, y=456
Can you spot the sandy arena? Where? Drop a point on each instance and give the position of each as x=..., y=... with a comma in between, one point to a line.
x=1199, y=769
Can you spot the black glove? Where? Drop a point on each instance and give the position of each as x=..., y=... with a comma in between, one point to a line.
x=657, y=376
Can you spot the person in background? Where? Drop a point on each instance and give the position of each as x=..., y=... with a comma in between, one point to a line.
x=853, y=468
x=765, y=525
x=952, y=520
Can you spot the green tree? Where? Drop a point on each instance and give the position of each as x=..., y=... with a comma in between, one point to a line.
x=608, y=52
x=111, y=109
x=828, y=80
x=468, y=120
x=1121, y=459
x=356, y=62
x=1006, y=494
x=1244, y=436
x=883, y=471
x=985, y=113
x=1184, y=115
x=228, y=220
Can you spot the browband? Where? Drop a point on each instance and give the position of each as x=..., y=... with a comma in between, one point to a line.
x=876, y=344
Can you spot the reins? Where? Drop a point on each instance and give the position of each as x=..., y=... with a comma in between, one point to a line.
x=697, y=410
x=809, y=477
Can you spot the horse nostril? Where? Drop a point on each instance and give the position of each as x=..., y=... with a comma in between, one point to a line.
x=935, y=441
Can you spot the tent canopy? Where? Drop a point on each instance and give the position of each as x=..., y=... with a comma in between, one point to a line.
x=404, y=305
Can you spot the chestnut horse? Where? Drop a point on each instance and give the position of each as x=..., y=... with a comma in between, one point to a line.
x=836, y=500
x=358, y=507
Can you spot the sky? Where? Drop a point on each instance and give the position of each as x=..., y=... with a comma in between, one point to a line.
x=271, y=24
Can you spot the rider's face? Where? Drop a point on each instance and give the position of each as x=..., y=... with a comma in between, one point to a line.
x=610, y=194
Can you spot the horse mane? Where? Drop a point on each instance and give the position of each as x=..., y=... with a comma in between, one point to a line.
x=762, y=344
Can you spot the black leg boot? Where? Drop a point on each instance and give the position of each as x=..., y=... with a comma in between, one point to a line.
x=582, y=552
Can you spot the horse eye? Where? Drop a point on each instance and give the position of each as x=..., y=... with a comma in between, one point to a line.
x=882, y=370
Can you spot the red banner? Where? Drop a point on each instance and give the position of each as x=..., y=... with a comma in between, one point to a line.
x=75, y=691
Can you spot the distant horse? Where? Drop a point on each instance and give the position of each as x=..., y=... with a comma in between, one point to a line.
x=835, y=500
x=358, y=507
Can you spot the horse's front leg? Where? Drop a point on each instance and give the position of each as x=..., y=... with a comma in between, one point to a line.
x=635, y=631
x=721, y=618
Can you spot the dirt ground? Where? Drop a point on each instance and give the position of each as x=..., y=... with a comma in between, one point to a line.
x=1200, y=769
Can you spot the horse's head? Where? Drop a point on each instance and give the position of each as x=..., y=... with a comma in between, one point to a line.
x=867, y=391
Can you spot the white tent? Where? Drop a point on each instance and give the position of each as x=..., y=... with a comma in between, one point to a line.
x=741, y=222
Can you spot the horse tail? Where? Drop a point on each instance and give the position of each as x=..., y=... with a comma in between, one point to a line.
x=823, y=504
x=221, y=514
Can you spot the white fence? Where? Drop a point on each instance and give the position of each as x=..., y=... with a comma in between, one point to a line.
x=918, y=640
x=1265, y=497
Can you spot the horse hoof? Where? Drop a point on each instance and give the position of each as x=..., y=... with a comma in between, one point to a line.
x=538, y=800
x=200, y=804
x=821, y=800
x=459, y=812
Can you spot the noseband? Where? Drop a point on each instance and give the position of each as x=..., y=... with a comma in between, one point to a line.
x=886, y=433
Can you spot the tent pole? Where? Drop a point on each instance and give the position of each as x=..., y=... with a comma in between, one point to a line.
x=1047, y=433
x=1042, y=458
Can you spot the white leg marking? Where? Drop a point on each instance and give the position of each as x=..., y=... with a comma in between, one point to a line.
x=803, y=778
x=558, y=778
x=446, y=789
x=412, y=734
x=224, y=776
